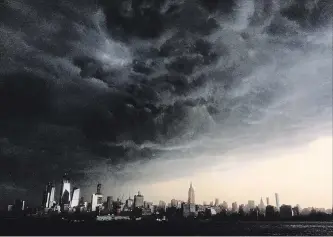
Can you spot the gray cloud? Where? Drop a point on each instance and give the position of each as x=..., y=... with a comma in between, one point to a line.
x=86, y=92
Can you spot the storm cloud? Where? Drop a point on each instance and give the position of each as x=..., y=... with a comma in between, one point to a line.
x=104, y=90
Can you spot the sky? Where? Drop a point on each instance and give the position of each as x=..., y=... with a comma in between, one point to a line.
x=302, y=175
x=153, y=100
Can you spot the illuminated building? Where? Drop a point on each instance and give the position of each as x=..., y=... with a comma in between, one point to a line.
x=191, y=196
x=48, y=196
x=97, y=199
x=75, y=197
x=138, y=200
x=277, y=200
x=65, y=191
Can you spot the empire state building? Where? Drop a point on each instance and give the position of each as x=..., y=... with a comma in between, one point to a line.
x=191, y=198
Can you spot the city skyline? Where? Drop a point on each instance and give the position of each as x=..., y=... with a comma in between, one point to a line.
x=239, y=102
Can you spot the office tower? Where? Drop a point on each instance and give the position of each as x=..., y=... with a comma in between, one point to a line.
x=251, y=204
x=261, y=205
x=225, y=205
x=109, y=202
x=217, y=202
x=191, y=196
x=48, y=196
x=174, y=203
x=138, y=200
x=99, y=189
x=65, y=190
x=81, y=202
x=162, y=204
x=234, y=207
x=97, y=199
x=277, y=201
x=267, y=201
x=286, y=211
x=129, y=203
x=75, y=197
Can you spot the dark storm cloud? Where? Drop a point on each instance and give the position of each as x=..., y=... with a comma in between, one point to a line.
x=85, y=85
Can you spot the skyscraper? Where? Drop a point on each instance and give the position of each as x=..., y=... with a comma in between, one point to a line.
x=65, y=190
x=217, y=202
x=267, y=201
x=234, y=207
x=75, y=197
x=97, y=198
x=277, y=201
x=191, y=196
x=262, y=205
x=138, y=200
x=48, y=196
x=251, y=204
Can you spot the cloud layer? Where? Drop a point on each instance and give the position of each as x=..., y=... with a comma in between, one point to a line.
x=95, y=89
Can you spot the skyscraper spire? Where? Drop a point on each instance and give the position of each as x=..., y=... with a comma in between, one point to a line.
x=191, y=197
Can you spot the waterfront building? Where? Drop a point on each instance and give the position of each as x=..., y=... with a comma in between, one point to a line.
x=75, y=197
x=138, y=200
x=286, y=211
x=65, y=190
x=277, y=200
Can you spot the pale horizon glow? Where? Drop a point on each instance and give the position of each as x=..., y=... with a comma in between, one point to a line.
x=301, y=176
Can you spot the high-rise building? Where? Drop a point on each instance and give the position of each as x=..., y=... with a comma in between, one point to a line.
x=188, y=209
x=234, y=207
x=138, y=200
x=65, y=191
x=99, y=189
x=97, y=199
x=217, y=202
x=109, y=202
x=251, y=205
x=75, y=197
x=174, y=203
x=262, y=207
x=267, y=201
x=277, y=201
x=162, y=204
x=48, y=196
x=191, y=196
x=225, y=205
x=286, y=211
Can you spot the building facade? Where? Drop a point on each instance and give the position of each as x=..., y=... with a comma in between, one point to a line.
x=191, y=195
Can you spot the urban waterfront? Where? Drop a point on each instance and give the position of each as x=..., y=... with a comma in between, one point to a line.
x=109, y=216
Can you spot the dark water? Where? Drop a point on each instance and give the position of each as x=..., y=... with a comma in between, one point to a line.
x=179, y=228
